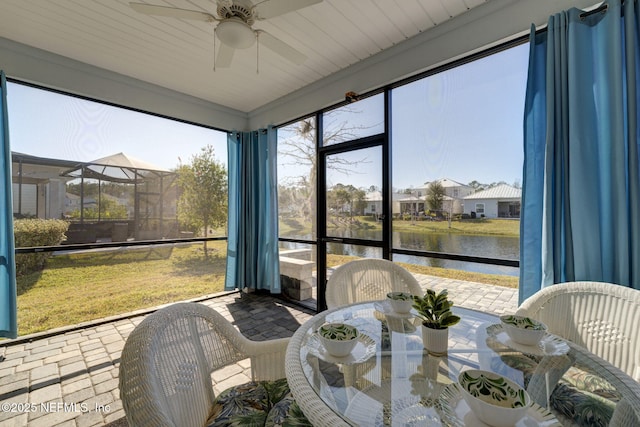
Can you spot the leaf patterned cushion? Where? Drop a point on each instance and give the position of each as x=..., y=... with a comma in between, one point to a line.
x=581, y=406
x=582, y=396
x=250, y=404
x=287, y=413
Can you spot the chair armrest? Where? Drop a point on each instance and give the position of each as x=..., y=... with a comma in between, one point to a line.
x=267, y=358
x=546, y=377
x=625, y=414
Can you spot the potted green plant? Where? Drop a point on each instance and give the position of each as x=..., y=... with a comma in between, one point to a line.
x=435, y=312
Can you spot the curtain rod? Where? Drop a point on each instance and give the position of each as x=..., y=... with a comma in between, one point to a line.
x=600, y=9
x=262, y=131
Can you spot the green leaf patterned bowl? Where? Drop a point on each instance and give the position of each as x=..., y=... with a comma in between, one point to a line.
x=495, y=400
x=401, y=302
x=523, y=330
x=338, y=338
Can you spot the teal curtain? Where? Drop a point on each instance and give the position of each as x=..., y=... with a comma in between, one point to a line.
x=8, y=307
x=252, y=246
x=581, y=182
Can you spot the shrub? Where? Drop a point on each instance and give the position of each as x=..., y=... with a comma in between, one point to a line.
x=36, y=232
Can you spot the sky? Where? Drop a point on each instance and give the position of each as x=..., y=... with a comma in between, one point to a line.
x=464, y=124
x=47, y=124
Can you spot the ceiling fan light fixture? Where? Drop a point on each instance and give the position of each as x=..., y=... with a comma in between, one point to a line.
x=235, y=33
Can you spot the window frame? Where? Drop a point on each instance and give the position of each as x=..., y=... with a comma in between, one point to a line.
x=386, y=135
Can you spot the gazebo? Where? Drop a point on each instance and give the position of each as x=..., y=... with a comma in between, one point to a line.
x=152, y=188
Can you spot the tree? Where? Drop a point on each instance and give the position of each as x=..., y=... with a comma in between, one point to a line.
x=108, y=209
x=203, y=203
x=476, y=185
x=292, y=199
x=347, y=197
x=360, y=199
x=435, y=196
x=301, y=150
x=495, y=184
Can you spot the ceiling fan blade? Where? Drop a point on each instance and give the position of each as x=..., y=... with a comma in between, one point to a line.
x=172, y=12
x=224, y=56
x=269, y=8
x=281, y=48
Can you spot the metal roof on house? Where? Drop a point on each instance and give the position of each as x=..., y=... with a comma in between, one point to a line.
x=373, y=196
x=502, y=191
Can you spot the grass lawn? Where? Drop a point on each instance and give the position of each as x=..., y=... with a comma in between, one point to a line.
x=81, y=287
x=484, y=226
x=493, y=227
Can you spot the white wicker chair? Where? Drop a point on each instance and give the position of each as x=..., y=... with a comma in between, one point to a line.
x=625, y=414
x=368, y=280
x=601, y=317
x=551, y=369
x=167, y=361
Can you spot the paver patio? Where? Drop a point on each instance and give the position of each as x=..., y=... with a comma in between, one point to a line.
x=69, y=378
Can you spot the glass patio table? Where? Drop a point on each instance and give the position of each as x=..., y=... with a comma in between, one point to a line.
x=390, y=379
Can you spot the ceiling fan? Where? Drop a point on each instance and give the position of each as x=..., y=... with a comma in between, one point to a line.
x=235, y=20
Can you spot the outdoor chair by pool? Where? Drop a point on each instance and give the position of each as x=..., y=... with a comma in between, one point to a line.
x=167, y=365
x=368, y=280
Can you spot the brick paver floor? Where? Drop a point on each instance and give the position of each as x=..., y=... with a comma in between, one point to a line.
x=70, y=378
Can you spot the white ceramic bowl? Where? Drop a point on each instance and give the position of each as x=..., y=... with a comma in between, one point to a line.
x=495, y=400
x=338, y=338
x=523, y=330
x=401, y=302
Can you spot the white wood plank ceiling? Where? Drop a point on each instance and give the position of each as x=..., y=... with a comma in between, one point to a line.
x=179, y=54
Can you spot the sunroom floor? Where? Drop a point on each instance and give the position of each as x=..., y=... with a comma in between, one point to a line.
x=74, y=371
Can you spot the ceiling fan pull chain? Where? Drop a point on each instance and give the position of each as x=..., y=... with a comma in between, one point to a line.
x=257, y=52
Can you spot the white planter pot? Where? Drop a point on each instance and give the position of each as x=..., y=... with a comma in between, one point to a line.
x=436, y=341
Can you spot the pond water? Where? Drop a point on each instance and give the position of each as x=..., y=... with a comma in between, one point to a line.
x=473, y=245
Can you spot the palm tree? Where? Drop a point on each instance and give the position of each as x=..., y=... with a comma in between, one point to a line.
x=435, y=196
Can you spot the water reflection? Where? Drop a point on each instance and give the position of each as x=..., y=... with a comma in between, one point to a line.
x=473, y=245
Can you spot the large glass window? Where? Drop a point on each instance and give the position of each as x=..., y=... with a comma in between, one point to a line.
x=91, y=173
x=354, y=121
x=297, y=212
x=85, y=161
x=353, y=191
x=457, y=162
x=297, y=172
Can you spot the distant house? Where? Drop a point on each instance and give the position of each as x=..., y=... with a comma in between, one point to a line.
x=414, y=200
x=373, y=203
x=501, y=201
x=408, y=203
x=400, y=203
x=454, y=194
x=453, y=189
